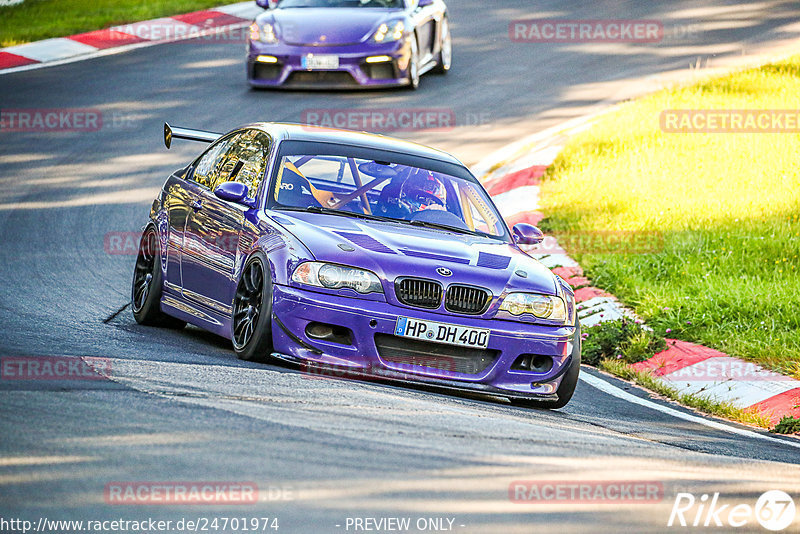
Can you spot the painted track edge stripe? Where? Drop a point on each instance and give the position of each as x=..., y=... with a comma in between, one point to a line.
x=614, y=391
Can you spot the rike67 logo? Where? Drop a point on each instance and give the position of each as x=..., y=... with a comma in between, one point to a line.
x=774, y=510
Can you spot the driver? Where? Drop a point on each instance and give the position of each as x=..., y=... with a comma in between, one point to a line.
x=423, y=191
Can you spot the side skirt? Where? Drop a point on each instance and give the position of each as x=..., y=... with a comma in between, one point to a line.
x=192, y=314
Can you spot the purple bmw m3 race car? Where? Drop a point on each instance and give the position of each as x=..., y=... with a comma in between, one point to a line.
x=341, y=250
x=347, y=43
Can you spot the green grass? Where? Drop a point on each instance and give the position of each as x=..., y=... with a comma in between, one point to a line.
x=698, y=402
x=40, y=19
x=787, y=425
x=623, y=339
x=727, y=206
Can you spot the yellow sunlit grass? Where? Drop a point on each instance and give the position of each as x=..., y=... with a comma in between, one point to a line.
x=727, y=205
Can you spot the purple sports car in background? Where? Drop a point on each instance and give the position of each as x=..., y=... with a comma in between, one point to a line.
x=347, y=43
x=344, y=250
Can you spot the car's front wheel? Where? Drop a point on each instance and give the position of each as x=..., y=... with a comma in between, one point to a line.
x=252, y=312
x=567, y=387
x=146, y=286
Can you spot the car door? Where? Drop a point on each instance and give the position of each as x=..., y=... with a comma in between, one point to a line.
x=178, y=198
x=182, y=190
x=213, y=228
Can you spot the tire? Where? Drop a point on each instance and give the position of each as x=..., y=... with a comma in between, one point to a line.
x=147, y=283
x=445, y=59
x=413, y=66
x=251, y=320
x=568, y=383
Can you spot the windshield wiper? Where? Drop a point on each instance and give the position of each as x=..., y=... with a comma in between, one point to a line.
x=428, y=224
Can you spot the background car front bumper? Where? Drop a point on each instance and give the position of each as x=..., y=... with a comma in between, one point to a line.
x=354, y=71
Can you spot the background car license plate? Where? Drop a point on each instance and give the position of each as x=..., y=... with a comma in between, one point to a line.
x=320, y=61
x=442, y=333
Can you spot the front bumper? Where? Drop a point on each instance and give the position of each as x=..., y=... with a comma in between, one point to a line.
x=294, y=309
x=353, y=72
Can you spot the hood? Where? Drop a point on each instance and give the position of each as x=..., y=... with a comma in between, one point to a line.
x=327, y=26
x=395, y=250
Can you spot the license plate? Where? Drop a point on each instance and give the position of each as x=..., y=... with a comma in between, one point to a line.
x=326, y=61
x=449, y=334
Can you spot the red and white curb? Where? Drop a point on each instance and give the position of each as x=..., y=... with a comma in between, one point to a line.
x=699, y=370
x=687, y=367
x=118, y=38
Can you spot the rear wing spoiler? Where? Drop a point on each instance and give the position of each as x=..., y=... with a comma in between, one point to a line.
x=171, y=133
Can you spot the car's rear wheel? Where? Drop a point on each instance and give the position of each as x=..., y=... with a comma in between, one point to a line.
x=413, y=66
x=567, y=387
x=252, y=312
x=147, y=283
x=445, y=59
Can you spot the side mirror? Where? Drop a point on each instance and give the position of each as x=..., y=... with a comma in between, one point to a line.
x=424, y=3
x=233, y=192
x=527, y=234
x=267, y=4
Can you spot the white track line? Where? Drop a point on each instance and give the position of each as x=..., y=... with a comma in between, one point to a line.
x=614, y=391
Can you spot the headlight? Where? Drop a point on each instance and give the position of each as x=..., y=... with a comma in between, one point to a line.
x=541, y=306
x=331, y=276
x=389, y=32
x=265, y=34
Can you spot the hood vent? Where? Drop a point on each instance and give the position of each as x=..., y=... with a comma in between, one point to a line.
x=365, y=241
x=493, y=261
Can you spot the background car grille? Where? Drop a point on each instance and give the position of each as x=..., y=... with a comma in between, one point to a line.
x=332, y=78
x=466, y=299
x=419, y=292
x=263, y=71
x=380, y=71
x=447, y=358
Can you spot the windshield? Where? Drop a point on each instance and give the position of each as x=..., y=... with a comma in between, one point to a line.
x=366, y=188
x=342, y=3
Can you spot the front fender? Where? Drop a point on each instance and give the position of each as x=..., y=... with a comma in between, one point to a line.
x=283, y=250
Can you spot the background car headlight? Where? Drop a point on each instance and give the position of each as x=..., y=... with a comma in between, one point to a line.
x=541, y=306
x=331, y=276
x=264, y=34
x=389, y=32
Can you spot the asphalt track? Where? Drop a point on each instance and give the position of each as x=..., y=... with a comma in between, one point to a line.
x=180, y=407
